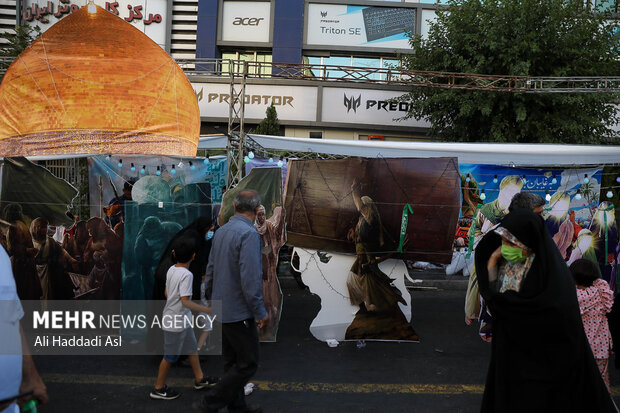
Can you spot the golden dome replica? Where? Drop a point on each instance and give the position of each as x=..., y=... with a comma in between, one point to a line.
x=95, y=84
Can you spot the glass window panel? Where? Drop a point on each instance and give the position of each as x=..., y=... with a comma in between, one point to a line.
x=314, y=60
x=368, y=62
x=338, y=61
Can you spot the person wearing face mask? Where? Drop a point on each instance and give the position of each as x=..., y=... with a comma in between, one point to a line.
x=540, y=356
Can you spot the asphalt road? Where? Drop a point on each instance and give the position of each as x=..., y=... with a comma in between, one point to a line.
x=444, y=372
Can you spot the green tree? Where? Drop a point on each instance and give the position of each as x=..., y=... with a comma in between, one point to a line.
x=270, y=125
x=14, y=43
x=517, y=37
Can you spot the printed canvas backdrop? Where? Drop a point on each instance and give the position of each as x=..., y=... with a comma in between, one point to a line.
x=577, y=214
x=32, y=200
x=114, y=90
x=161, y=195
x=322, y=213
x=270, y=225
x=370, y=209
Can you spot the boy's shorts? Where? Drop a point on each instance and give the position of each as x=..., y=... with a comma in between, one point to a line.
x=179, y=343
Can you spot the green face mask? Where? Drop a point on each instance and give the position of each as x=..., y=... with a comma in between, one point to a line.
x=512, y=254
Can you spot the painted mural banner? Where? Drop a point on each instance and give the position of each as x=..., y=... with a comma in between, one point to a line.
x=149, y=199
x=33, y=202
x=325, y=199
x=578, y=213
x=352, y=222
x=270, y=224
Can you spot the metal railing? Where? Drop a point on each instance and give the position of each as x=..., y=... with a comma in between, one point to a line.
x=200, y=68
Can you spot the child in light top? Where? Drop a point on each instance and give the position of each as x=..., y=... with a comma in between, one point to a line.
x=179, y=338
x=595, y=301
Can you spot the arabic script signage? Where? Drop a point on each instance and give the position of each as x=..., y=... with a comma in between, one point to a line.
x=146, y=16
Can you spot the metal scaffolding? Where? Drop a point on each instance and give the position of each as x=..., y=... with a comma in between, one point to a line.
x=236, y=113
x=240, y=71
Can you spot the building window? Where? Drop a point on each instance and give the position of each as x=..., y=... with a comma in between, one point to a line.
x=316, y=135
x=249, y=56
x=351, y=61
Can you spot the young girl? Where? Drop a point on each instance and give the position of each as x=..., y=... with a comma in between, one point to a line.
x=595, y=301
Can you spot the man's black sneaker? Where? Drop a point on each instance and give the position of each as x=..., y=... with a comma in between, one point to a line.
x=165, y=393
x=206, y=381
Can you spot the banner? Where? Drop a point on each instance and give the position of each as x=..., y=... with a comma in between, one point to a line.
x=270, y=225
x=366, y=107
x=34, y=203
x=326, y=199
x=246, y=21
x=576, y=215
x=359, y=26
x=149, y=200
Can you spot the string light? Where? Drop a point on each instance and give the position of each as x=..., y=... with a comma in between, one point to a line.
x=191, y=166
x=578, y=195
x=468, y=178
x=495, y=179
x=554, y=180
x=173, y=170
x=586, y=179
x=246, y=159
x=120, y=163
x=524, y=179
x=206, y=160
x=609, y=194
x=483, y=196
x=158, y=172
x=547, y=196
x=280, y=163
x=251, y=155
x=270, y=160
x=143, y=170
x=618, y=179
x=133, y=168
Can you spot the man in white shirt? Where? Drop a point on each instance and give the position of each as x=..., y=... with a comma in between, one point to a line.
x=18, y=373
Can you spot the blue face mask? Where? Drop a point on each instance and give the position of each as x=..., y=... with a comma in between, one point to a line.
x=209, y=235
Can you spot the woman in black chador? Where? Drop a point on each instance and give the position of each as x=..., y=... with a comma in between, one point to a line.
x=540, y=357
x=379, y=316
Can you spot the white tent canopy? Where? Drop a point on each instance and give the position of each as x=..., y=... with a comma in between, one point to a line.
x=475, y=153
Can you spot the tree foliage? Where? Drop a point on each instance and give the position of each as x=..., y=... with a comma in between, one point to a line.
x=14, y=43
x=270, y=125
x=517, y=37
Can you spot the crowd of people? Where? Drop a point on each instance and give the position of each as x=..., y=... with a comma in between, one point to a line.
x=551, y=340
x=547, y=323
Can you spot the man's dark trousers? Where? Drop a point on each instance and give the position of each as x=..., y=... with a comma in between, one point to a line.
x=240, y=351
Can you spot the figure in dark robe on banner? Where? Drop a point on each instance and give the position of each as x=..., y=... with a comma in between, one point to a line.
x=52, y=263
x=103, y=259
x=380, y=316
x=273, y=237
x=22, y=252
x=149, y=247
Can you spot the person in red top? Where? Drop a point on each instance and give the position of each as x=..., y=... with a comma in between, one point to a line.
x=595, y=301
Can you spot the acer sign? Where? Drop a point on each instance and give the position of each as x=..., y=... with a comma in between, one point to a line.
x=246, y=21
